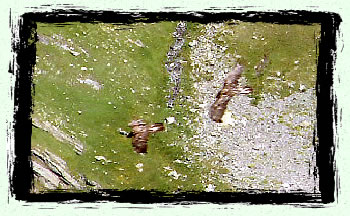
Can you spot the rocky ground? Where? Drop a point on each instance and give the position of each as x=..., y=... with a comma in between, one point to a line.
x=268, y=146
x=53, y=173
x=173, y=64
x=59, y=135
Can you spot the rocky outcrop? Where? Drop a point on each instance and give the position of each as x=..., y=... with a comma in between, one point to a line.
x=59, y=135
x=61, y=42
x=52, y=173
x=94, y=84
x=173, y=65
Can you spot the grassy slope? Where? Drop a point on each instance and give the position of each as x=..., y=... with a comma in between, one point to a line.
x=145, y=69
x=284, y=44
x=59, y=97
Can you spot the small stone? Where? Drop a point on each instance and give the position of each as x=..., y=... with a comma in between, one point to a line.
x=74, y=53
x=202, y=106
x=167, y=168
x=174, y=174
x=139, y=165
x=139, y=43
x=79, y=112
x=83, y=68
x=305, y=123
x=170, y=120
x=177, y=161
x=210, y=188
x=227, y=118
x=98, y=158
x=193, y=43
x=285, y=185
x=291, y=85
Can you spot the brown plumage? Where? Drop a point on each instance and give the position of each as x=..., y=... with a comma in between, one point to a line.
x=140, y=133
x=231, y=88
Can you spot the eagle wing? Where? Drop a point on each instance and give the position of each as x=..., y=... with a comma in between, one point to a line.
x=140, y=134
x=156, y=127
x=230, y=88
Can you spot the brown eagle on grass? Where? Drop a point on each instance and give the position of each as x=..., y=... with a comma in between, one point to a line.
x=140, y=133
x=231, y=88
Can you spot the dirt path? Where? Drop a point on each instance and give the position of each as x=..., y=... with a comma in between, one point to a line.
x=268, y=146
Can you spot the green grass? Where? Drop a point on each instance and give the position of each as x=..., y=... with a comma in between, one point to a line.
x=283, y=44
x=138, y=89
x=59, y=96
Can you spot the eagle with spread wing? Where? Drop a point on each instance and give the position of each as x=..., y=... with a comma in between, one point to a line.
x=231, y=88
x=140, y=133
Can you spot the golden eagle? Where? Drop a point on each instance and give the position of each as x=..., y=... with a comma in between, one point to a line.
x=231, y=88
x=140, y=133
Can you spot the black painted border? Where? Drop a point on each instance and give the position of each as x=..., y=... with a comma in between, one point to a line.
x=22, y=176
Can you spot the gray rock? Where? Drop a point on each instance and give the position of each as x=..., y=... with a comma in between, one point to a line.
x=268, y=146
x=59, y=135
x=53, y=172
x=173, y=65
x=95, y=85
